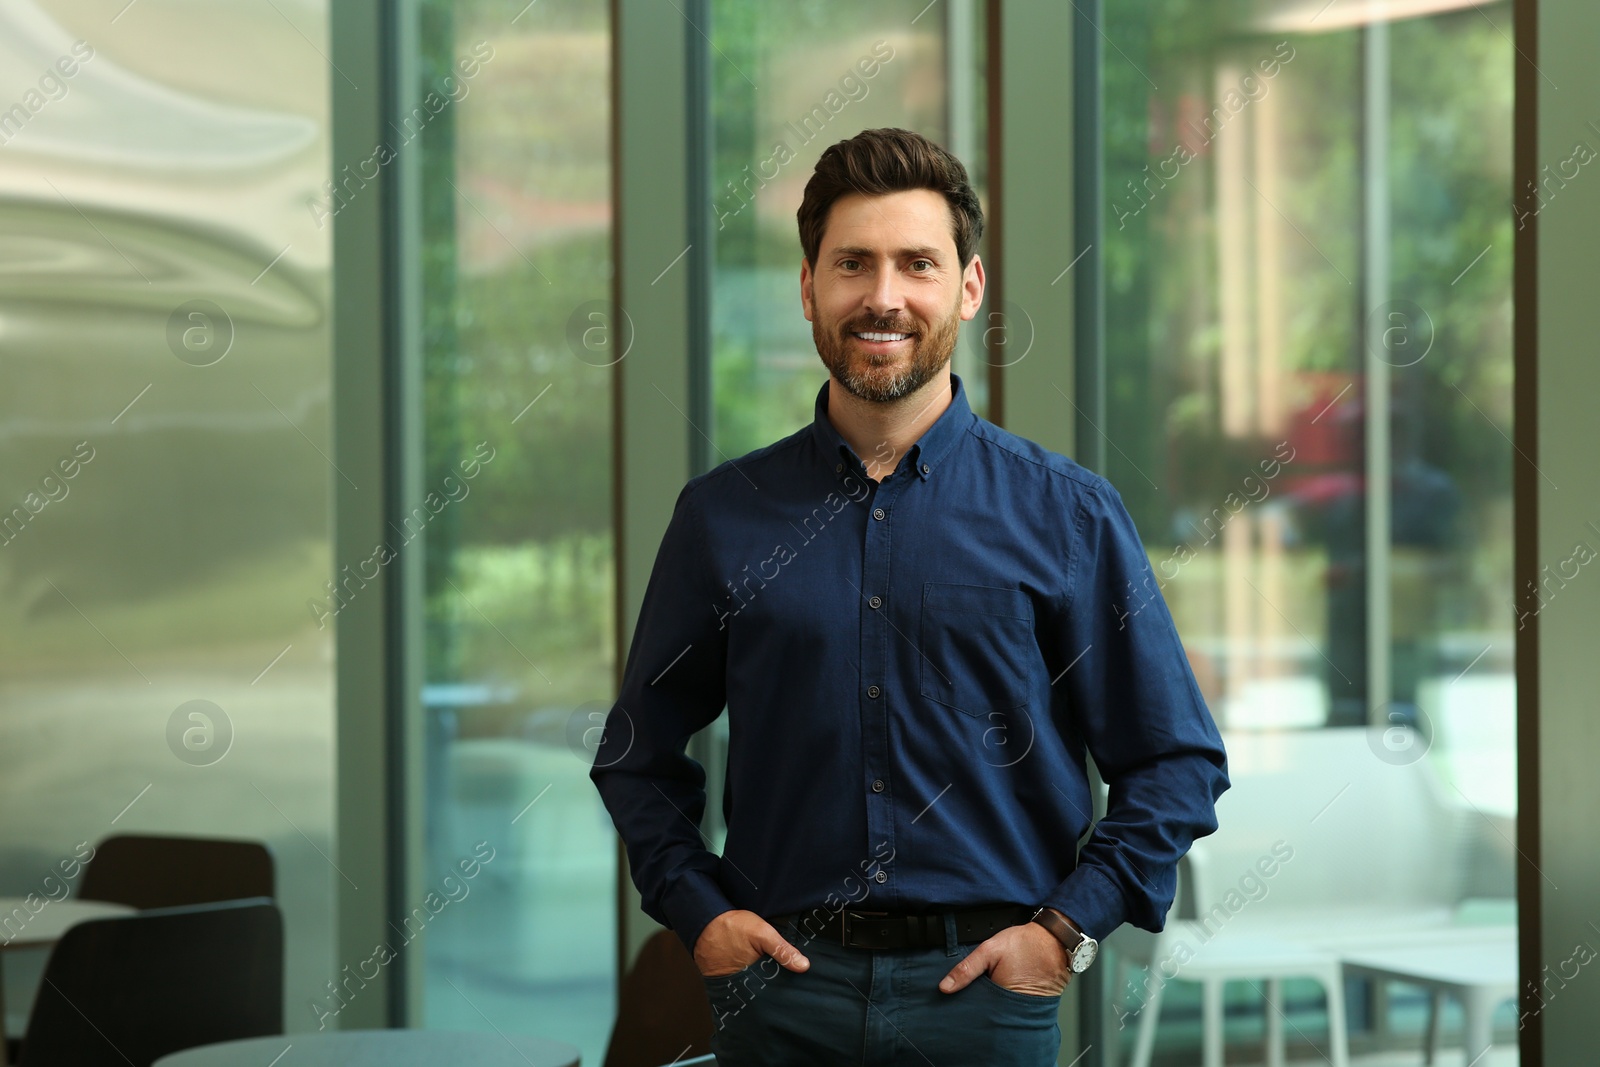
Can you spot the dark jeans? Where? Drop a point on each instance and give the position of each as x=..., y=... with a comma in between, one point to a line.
x=874, y=1007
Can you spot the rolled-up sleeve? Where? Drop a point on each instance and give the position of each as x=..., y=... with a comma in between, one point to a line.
x=1133, y=698
x=673, y=685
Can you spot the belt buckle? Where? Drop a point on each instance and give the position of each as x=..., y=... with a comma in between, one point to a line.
x=847, y=915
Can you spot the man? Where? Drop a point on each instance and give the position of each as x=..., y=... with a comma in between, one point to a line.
x=919, y=624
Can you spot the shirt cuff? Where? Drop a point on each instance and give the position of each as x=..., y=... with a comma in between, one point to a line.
x=1092, y=900
x=693, y=901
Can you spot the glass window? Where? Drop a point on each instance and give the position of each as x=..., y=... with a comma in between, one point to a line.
x=515, y=221
x=788, y=80
x=166, y=653
x=1308, y=312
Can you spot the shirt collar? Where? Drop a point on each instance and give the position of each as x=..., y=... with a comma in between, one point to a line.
x=923, y=456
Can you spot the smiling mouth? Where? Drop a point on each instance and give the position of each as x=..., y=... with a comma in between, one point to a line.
x=875, y=337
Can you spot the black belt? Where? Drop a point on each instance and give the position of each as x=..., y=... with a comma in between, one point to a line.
x=902, y=929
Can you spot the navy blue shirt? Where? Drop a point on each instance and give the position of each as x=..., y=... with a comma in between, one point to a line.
x=913, y=670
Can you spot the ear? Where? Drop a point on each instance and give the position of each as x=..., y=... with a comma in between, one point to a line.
x=807, y=296
x=972, y=283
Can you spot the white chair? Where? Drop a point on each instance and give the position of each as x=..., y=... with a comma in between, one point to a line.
x=1321, y=842
x=1189, y=950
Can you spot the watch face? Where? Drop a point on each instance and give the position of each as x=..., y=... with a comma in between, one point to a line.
x=1084, y=954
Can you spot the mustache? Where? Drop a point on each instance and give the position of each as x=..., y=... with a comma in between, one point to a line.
x=881, y=326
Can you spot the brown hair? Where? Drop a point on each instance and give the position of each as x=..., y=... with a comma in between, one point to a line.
x=877, y=162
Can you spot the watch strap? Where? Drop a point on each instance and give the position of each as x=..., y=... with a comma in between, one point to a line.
x=1065, y=932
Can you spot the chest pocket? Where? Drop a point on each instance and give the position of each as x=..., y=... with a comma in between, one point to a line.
x=977, y=647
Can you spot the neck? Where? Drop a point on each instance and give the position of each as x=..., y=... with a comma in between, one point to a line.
x=880, y=433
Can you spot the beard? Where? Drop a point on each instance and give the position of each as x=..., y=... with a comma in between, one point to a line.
x=875, y=377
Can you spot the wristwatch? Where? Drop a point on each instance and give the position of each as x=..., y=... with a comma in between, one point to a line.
x=1081, y=948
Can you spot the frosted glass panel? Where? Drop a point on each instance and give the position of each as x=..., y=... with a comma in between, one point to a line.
x=164, y=471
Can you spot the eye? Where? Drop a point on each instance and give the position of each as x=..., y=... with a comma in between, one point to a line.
x=929, y=263
x=850, y=264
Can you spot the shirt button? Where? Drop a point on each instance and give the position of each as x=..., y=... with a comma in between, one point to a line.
x=877, y=513
x=881, y=876
x=875, y=602
x=877, y=785
x=926, y=468
x=873, y=691
x=838, y=467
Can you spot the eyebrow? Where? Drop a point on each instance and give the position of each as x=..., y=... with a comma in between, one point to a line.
x=925, y=251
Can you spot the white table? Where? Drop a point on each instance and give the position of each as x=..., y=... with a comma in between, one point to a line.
x=380, y=1048
x=23, y=927
x=1475, y=964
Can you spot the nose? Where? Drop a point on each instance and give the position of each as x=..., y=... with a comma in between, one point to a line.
x=886, y=300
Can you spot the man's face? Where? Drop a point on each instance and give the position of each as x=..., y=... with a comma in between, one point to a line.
x=887, y=296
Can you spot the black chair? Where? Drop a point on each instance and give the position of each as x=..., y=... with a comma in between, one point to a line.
x=144, y=871
x=129, y=990
x=155, y=871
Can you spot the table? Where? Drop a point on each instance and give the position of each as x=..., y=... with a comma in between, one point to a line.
x=1475, y=964
x=380, y=1048
x=21, y=927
